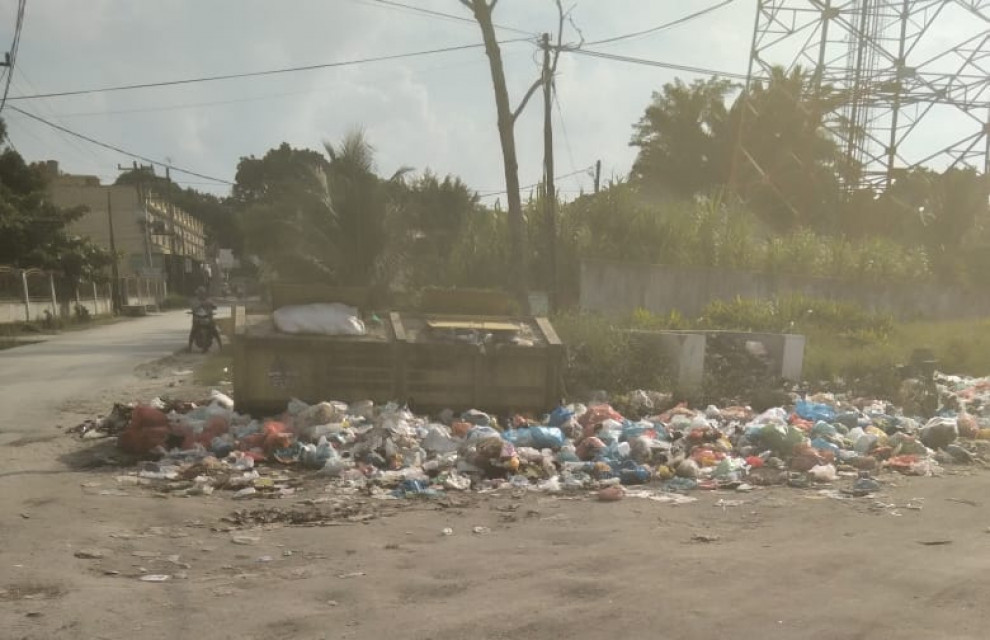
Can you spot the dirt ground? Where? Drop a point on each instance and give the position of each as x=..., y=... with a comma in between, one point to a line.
x=783, y=563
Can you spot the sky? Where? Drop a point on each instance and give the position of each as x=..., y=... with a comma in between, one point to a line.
x=432, y=112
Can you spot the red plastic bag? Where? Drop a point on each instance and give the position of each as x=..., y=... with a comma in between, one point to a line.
x=598, y=414
x=588, y=448
x=147, y=430
x=215, y=428
x=276, y=436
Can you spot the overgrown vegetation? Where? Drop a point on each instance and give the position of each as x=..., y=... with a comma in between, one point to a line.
x=602, y=354
x=848, y=348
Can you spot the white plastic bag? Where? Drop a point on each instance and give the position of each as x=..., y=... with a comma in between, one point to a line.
x=330, y=319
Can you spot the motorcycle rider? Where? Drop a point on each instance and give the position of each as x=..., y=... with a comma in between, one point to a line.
x=203, y=302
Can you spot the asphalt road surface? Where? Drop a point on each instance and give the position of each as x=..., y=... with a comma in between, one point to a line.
x=37, y=379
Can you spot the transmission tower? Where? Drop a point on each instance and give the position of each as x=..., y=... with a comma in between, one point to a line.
x=908, y=80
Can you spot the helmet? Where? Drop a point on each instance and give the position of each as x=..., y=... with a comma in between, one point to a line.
x=200, y=292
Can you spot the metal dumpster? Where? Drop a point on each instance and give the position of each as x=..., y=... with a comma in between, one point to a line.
x=495, y=363
x=434, y=362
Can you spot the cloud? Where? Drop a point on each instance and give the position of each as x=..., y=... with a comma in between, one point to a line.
x=433, y=111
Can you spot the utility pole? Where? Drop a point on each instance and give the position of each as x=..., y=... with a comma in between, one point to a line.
x=114, y=270
x=550, y=191
x=598, y=175
x=171, y=234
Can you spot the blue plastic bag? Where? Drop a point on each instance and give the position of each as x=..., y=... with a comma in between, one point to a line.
x=519, y=437
x=632, y=473
x=416, y=488
x=481, y=433
x=559, y=416
x=825, y=445
x=536, y=437
x=547, y=437
x=636, y=429
x=814, y=411
x=823, y=429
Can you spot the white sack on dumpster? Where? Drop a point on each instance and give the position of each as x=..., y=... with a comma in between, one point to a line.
x=329, y=319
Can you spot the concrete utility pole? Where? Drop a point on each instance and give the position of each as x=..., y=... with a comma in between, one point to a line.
x=171, y=234
x=598, y=175
x=114, y=271
x=550, y=191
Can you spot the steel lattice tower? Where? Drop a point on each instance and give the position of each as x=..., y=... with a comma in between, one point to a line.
x=911, y=78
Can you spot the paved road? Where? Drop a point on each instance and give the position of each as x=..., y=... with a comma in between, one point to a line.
x=36, y=379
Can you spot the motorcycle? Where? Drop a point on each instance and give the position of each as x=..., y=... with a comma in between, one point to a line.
x=203, y=329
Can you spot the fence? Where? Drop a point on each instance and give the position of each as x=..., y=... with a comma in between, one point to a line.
x=617, y=288
x=27, y=295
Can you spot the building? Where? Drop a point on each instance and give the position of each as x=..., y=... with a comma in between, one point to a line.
x=155, y=240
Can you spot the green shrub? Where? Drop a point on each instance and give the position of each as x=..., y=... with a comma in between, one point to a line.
x=602, y=354
x=795, y=314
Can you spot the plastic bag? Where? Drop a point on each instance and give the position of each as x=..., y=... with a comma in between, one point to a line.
x=149, y=428
x=438, y=440
x=814, y=411
x=559, y=416
x=780, y=439
x=823, y=473
x=939, y=433
x=331, y=319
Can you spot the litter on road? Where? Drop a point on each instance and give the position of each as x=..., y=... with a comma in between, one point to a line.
x=387, y=452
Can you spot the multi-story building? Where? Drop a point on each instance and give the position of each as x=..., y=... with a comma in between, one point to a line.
x=155, y=239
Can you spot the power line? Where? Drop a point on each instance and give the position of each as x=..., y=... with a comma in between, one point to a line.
x=535, y=184
x=118, y=149
x=665, y=26
x=656, y=63
x=437, y=14
x=45, y=105
x=12, y=56
x=563, y=128
x=245, y=99
x=269, y=72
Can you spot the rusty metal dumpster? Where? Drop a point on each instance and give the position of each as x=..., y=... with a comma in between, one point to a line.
x=491, y=362
x=431, y=361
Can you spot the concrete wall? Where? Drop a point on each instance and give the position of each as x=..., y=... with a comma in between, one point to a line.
x=134, y=292
x=616, y=288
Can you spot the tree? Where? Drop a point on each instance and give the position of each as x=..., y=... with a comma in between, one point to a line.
x=789, y=167
x=434, y=215
x=518, y=255
x=33, y=231
x=360, y=203
x=285, y=218
x=318, y=218
x=684, y=139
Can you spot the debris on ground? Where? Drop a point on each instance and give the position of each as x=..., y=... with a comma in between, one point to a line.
x=382, y=453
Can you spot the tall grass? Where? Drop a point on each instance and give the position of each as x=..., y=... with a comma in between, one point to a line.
x=618, y=224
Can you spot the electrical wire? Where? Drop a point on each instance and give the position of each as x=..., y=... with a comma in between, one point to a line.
x=437, y=14
x=535, y=184
x=83, y=150
x=111, y=147
x=656, y=63
x=567, y=138
x=248, y=99
x=12, y=57
x=268, y=72
x=665, y=26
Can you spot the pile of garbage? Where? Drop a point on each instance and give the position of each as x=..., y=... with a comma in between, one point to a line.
x=387, y=451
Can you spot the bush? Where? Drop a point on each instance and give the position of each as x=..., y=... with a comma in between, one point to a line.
x=81, y=314
x=602, y=354
x=795, y=314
